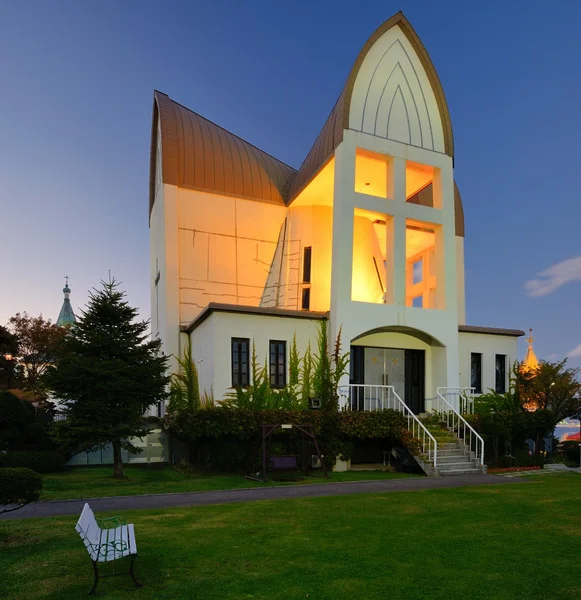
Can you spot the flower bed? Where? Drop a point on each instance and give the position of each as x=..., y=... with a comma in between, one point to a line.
x=512, y=470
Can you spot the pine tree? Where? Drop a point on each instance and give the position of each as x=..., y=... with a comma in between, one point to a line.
x=108, y=373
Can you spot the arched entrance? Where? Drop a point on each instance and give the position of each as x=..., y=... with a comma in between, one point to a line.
x=402, y=358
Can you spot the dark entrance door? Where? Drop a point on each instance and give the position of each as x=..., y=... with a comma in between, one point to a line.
x=415, y=368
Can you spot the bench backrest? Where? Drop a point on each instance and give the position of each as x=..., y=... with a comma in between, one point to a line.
x=88, y=528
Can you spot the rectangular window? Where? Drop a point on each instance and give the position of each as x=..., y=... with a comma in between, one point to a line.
x=476, y=372
x=307, y=264
x=418, y=302
x=500, y=372
x=306, y=300
x=277, y=364
x=417, y=272
x=240, y=362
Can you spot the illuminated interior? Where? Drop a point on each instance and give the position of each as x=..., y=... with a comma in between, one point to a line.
x=371, y=173
x=369, y=249
x=417, y=177
x=420, y=265
x=319, y=191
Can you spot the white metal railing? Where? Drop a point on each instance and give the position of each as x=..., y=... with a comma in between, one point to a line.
x=457, y=424
x=380, y=397
x=460, y=398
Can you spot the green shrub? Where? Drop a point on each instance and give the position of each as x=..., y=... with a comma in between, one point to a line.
x=19, y=486
x=41, y=462
x=238, y=431
x=571, y=453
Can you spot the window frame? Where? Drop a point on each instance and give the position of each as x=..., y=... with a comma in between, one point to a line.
x=306, y=299
x=477, y=388
x=307, y=263
x=277, y=357
x=238, y=378
x=499, y=389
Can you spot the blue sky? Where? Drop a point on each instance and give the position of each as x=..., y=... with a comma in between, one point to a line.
x=75, y=116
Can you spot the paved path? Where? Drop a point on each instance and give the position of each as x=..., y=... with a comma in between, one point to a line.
x=74, y=507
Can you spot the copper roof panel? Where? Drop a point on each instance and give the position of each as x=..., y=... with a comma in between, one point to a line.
x=198, y=154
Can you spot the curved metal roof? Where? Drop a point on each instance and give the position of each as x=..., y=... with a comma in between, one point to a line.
x=332, y=133
x=199, y=154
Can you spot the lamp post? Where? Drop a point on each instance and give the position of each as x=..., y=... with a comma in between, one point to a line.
x=9, y=358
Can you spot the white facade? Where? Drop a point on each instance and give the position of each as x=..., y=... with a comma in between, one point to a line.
x=369, y=234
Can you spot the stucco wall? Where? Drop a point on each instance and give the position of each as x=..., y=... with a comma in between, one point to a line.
x=226, y=247
x=488, y=346
x=212, y=343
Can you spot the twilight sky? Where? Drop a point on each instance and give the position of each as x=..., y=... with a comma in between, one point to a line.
x=75, y=114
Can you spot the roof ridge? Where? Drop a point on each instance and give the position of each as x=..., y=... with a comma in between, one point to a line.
x=227, y=131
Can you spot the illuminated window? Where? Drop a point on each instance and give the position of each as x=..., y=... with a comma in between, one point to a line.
x=420, y=264
x=417, y=271
x=373, y=173
x=369, y=257
x=417, y=177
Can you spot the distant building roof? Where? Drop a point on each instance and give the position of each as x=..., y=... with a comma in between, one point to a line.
x=531, y=362
x=490, y=330
x=66, y=316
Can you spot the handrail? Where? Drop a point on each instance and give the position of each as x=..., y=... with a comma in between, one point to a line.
x=456, y=423
x=463, y=393
x=381, y=397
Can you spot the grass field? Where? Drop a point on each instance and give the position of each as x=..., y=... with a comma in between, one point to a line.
x=509, y=542
x=96, y=482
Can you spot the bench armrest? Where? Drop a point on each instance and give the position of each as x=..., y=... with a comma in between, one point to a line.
x=111, y=522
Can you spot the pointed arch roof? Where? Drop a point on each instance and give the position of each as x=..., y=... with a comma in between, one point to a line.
x=331, y=134
x=198, y=154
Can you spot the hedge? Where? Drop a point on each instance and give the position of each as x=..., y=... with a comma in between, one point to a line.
x=41, y=462
x=226, y=437
x=19, y=486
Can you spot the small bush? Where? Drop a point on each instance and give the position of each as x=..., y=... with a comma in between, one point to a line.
x=41, y=462
x=226, y=438
x=571, y=452
x=19, y=486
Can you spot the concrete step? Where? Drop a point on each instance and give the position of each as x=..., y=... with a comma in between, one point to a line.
x=448, y=446
x=451, y=452
x=457, y=465
x=470, y=471
x=453, y=458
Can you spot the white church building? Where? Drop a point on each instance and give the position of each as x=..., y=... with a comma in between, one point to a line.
x=368, y=234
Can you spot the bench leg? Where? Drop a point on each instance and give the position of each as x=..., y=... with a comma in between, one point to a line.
x=96, y=570
x=137, y=583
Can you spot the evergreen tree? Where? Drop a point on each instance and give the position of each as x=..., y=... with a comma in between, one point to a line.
x=108, y=373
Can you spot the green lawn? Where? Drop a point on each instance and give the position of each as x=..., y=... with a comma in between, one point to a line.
x=96, y=482
x=519, y=541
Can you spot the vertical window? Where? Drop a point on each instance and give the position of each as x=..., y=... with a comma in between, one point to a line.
x=476, y=372
x=307, y=252
x=500, y=372
x=306, y=300
x=240, y=362
x=277, y=364
x=417, y=272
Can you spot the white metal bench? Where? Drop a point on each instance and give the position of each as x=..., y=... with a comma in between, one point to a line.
x=107, y=540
